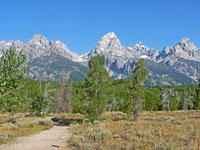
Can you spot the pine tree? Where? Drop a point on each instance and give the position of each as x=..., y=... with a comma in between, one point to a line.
x=97, y=88
x=135, y=91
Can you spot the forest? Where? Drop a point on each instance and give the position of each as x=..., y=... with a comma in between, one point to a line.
x=96, y=94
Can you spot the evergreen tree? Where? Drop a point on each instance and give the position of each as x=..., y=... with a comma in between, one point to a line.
x=97, y=88
x=197, y=100
x=78, y=98
x=135, y=91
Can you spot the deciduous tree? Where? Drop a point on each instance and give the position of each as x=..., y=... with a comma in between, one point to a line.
x=12, y=70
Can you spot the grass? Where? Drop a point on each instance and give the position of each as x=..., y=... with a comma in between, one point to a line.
x=177, y=130
x=23, y=126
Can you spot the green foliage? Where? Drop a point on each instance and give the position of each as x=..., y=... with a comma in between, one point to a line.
x=179, y=97
x=152, y=101
x=93, y=96
x=12, y=70
x=120, y=92
x=197, y=99
x=25, y=98
x=135, y=91
x=97, y=91
x=11, y=104
x=173, y=103
x=38, y=105
x=78, y=100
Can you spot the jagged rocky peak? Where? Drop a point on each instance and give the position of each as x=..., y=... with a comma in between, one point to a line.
x=187, y=45
x=110, y=40
x=18, y=45
x=185, y=49
x=139, y=44
x=38, y=39
x=37, y=47
x=140, y=47
x=185, y=40
x=110, y=35
x=139, y=50
x=40, y=46
x=59, y=45
x=60, y=48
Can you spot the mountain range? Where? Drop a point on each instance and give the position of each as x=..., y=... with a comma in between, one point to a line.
x=176, y=65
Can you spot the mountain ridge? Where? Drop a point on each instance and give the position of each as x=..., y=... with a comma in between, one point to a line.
x=120, y=60
x=108, y=41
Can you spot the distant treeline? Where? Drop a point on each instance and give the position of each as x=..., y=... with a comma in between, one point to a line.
x=93, y=96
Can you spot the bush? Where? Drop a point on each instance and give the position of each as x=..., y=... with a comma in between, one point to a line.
x=78, y=142
x=98, y=134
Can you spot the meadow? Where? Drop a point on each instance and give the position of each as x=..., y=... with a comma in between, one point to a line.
x=162, y=130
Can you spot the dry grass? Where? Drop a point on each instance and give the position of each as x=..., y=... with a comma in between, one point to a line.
x=23, y=126
x=5, y=118
x=179, y=130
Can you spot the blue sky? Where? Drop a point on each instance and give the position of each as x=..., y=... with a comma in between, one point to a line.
x=81, y=23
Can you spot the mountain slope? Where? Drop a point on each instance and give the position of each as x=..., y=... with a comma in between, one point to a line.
x=161, y=73
x=51, y=67
x=179, y=64
x=176, y=65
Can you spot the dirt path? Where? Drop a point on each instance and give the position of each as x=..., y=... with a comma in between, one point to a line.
x=44, y=140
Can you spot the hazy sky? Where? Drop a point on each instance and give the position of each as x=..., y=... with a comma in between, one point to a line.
x=81, y=23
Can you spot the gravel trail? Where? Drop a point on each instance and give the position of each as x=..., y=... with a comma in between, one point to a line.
x=57, y=136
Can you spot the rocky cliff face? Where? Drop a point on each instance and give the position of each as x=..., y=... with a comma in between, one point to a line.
x=39, y=46
x=116, y=55
x=183, y=49
x=48, y=59
x=181, y=60
x=184, y=57
x=120, y=60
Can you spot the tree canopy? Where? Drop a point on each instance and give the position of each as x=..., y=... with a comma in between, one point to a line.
x=12, y=70
x=97, y=87
x=135, y=85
